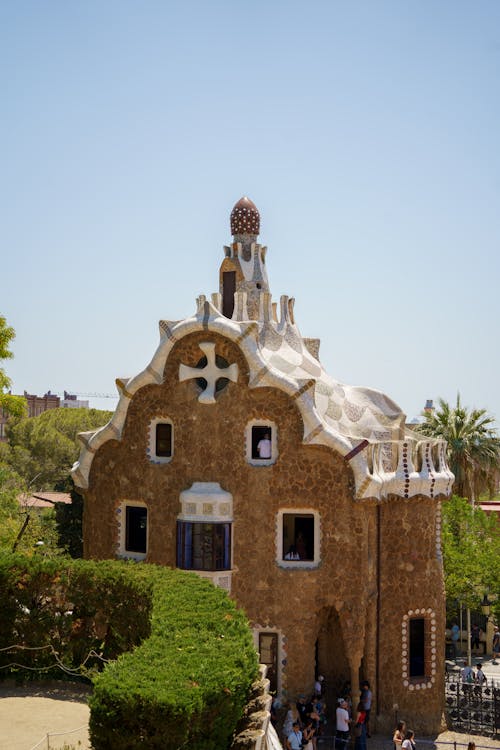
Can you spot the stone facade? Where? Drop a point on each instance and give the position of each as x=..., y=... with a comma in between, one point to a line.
x=347, y=486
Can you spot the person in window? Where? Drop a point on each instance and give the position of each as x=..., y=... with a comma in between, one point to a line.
x=264, y=446
x=300, y=546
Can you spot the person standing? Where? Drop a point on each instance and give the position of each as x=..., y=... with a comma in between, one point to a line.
x=399, y=735
x=294, y=739
x=480, y=676
x=343, y=721
x=264, y=446
x=409, y=741
x=496, y=645
x=366, y=700
x=360, y=728
x=455, y=635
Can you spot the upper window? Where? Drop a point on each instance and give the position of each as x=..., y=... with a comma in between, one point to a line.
x=298, y=538
x=164, y=439
x=161, y=440
x=261, y=443
x=134, y=531
x=203, y=546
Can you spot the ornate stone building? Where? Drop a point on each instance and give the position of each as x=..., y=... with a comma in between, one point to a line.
x=235, y=455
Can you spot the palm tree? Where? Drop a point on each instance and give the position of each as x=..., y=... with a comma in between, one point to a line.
x=473, y=445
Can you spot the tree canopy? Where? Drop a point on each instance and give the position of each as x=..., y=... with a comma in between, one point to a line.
x=471, y=552
x=46, y=446
x=473, y=445
x=14, y=405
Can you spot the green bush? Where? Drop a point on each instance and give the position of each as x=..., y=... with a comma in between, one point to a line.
x=182, y=657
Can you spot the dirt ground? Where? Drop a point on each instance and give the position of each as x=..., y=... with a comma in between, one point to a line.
x=29, y=712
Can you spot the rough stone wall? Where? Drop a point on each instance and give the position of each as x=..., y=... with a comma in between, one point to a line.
x=336, y=601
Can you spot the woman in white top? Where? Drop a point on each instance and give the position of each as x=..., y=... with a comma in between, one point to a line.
x=409, y=741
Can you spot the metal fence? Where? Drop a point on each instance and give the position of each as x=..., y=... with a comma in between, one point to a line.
x=472, y=708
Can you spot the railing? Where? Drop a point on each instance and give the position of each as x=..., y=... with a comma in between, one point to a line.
x=472, y=708
x=75, y=738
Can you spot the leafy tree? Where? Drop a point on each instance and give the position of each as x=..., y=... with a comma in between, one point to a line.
x=14, y=405
x=46, y=446
x=471, y=552
x=473, y=445
x=22, y=527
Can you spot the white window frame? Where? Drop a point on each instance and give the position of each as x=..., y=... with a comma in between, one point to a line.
x=151, y=449
x=300, y=564
x=122, y=522
x=262, y=422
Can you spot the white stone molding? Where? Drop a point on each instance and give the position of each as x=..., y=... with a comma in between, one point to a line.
x=206, y=502
x=430, y=627
x=151, y=447
x=211, y=373
x=298, y=564
x=417, y=465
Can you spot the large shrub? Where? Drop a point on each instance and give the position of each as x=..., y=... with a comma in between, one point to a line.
x=185, y=659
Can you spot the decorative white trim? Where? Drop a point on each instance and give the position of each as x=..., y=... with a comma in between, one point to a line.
x=371, y=475
x=425, y=682
x=439, y=551
x=206, y=502
x=300, y=564
x=211, y=372
x=121, y=513
x=151, y=448
x=274, y=442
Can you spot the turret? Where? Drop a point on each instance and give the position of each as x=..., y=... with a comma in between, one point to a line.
x=243, y=268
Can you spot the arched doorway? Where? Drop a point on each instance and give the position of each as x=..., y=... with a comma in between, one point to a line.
x=331, y=659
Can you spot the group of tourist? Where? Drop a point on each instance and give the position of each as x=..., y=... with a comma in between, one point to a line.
x=304, y=720
x=358, y=721
x=403, y=738
x=473, y=678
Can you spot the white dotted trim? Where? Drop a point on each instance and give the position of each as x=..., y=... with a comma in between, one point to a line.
x=423, y=683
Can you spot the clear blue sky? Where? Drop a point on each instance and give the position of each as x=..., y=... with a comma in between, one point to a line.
x=367, y=133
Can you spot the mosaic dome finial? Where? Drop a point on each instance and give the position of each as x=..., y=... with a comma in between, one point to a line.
x=245, y=218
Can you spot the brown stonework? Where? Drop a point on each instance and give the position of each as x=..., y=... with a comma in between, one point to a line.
x=341, y=461
x=335, y=603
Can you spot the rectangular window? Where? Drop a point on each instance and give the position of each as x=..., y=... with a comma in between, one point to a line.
x=261, y=442
x=164, y=439
x=268, y=652
x=136, y=529
x=298, y=536
x=417, y=647
x=203, y=546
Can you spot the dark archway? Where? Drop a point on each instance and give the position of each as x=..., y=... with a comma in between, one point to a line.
x=331, y=659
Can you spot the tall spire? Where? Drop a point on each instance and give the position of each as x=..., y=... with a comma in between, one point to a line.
x=243, y=269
